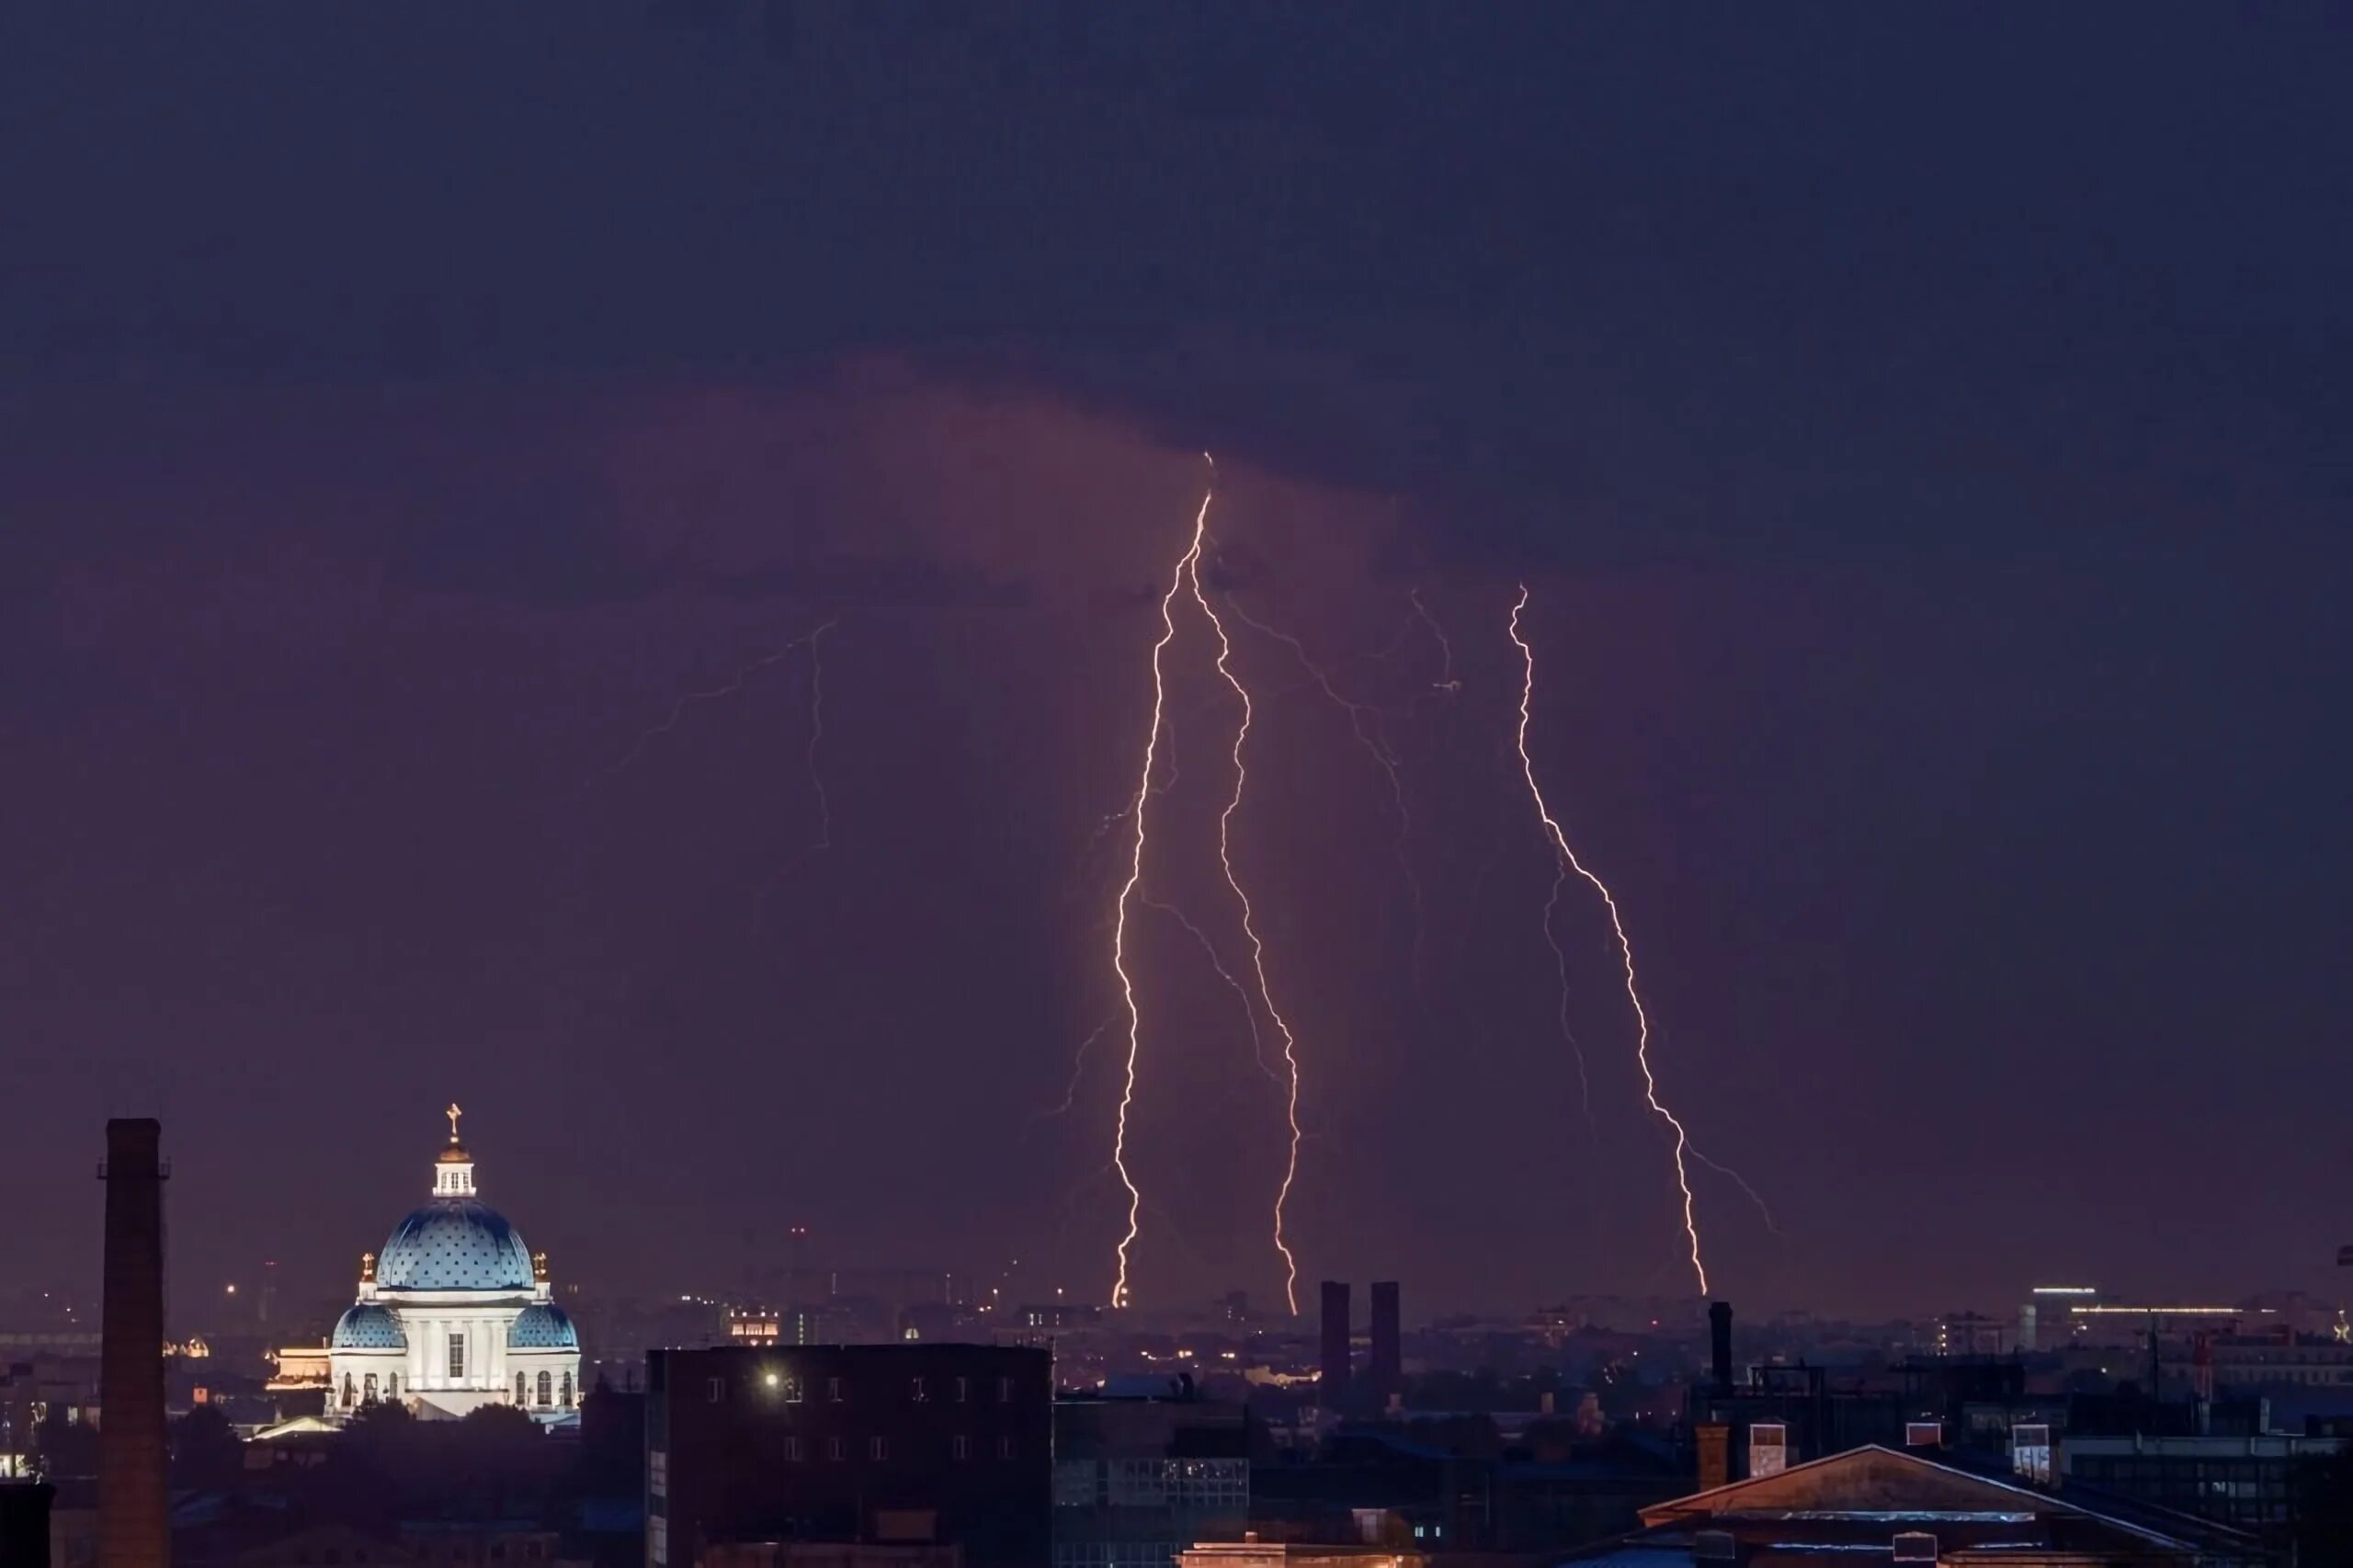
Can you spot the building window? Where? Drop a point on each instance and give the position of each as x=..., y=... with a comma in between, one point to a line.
x=959, y=1446
x=567, y=1390
x=547, y=1390
x=347, y=1392
x=1005, y=1391
x=963, y=1390
x=718, y=1390
x=834, y=1390
x=792, y=1389
x=657, y=1472
x=393, y=1386
x=522, y=1390
x=833, y=1448
x=915, y=1392
x=1005, y=1448
x=368, y=1389
x=457, y=1355
x=792, y=1450
x=657, y=1541
x=877, y=1448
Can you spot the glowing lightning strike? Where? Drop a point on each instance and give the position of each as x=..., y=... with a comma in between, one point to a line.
x=1249, y=926
x=1625, y=947
x=1127, y=889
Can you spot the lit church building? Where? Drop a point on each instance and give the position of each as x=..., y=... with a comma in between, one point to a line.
x=454, y=1314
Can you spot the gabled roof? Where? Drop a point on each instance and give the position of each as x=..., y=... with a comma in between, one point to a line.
x=1880, y=1482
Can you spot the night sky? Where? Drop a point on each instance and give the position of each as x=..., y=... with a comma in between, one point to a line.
x=1923, y=431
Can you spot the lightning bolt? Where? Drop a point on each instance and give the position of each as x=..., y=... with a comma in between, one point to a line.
x=1249, y=923
x=1568, y=858
x=824, y=838
x=1208, y=948
x=670, y=721
x=1077, y=1072
x=1446, y=681
x=1366, y=722
x=1136, y=813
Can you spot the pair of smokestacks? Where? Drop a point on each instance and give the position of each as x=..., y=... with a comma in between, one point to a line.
x=1386, y=1367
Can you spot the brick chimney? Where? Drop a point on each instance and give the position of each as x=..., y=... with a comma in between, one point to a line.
x=134, y=1526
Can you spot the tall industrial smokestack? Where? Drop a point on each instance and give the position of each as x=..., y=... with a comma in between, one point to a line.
x=1719, y=1341
x=133, y=1529
x=1333, y=1390
x=1386, y=1366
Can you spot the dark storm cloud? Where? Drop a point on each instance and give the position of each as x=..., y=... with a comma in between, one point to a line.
x=1522, y=261
x=1922, y=428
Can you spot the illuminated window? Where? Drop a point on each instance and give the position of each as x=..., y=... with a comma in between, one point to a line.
x=657, y=1541
x=657, y=1472
x=792, y=1389
x=368, y=1389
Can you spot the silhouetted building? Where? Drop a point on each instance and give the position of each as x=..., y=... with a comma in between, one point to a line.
x=1136, y=1481
x=134, y=1531
x=1333, y=1393
x=910, y=1445
x=2250, y=1482
x=1786, y=1416
x=1385, y=1366
x=1889, y=1506
x=24, y=1523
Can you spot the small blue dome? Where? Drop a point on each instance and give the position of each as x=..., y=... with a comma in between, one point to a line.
x=542, y=1326
x=454, y=1244
x=367, y=1327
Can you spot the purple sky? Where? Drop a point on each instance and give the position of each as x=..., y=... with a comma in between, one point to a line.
x=1923, y=443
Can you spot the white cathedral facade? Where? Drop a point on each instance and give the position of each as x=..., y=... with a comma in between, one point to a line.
x=454, y=1314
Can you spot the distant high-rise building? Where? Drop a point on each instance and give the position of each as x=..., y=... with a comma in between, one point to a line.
x=1333, y=1393
x=134, y=1527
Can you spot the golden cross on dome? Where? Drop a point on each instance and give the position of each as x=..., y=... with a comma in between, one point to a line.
x=453, y=1113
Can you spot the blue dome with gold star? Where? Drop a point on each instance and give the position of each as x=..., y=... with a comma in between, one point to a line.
x=367, y=1327
x=543, y=1327
x=454, y=1244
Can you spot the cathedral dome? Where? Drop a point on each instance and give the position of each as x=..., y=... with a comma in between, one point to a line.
x=367, y=1327
x=454, y=1244
x=542, y=1326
